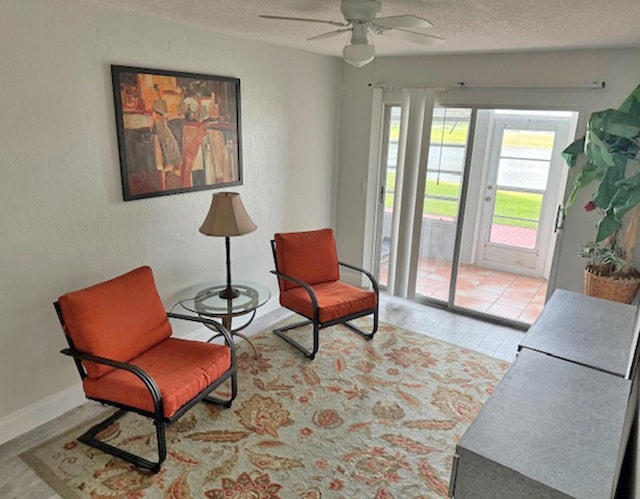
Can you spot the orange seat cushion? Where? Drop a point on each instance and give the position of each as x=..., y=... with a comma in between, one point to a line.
x=117, y=319
x=309, y=256
x=335, y=300
x=180, y=368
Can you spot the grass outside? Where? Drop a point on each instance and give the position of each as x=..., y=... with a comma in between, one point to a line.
x=456, y=134
x=519, y=205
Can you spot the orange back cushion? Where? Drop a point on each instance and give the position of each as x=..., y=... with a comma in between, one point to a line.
x=309, y=256
x=117, y=319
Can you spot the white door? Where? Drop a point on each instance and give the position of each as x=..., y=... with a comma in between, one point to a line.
x=523, y=185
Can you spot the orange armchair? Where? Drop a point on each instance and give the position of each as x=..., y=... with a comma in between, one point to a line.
x=120, y=339
x=308, y=274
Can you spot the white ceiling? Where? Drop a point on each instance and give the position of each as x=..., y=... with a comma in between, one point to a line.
x=467, y=25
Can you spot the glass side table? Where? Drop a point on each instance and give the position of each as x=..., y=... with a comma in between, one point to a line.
x=204, y=301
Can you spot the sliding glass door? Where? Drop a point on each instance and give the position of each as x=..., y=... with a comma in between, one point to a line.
x=487, y=187
x=440, y=220
x=518, y=182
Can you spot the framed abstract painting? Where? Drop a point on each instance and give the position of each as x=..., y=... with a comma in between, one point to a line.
x=177, y=132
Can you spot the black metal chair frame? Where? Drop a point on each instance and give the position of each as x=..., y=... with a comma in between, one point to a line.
x=315, y=317
x=159, y=420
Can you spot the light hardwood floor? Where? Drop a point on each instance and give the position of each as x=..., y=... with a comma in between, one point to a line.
x=17, y=480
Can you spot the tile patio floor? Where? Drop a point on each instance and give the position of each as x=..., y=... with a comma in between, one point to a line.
x=501, y=294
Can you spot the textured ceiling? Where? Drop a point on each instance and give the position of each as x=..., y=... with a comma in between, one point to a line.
x=467, y=25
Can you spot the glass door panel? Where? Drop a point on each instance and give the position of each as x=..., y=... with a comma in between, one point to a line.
x=391, y=131
x=441, y=201
x=516, y=216
x=522, y=176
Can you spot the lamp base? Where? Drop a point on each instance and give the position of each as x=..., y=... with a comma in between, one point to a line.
x=229, y=293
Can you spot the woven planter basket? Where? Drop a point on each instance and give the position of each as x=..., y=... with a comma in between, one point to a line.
x=610, y=288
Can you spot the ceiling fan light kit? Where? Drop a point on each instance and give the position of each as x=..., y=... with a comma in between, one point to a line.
x=359, y=52
x=360, y=17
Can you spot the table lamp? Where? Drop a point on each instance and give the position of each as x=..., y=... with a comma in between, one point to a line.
x=227, y=217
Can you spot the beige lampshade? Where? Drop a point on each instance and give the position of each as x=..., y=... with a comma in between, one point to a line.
x=227, y=216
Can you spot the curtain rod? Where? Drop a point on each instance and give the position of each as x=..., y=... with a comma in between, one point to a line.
x=461, y=85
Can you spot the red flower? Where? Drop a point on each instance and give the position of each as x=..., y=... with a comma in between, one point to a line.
x=336, y=485
x=590, y=206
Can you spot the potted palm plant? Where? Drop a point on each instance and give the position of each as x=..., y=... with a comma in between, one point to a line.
x=609, y=153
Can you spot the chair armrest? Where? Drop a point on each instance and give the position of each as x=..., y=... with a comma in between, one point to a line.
x=373, y=280
x=138, y=371
x=300, y=283
x=221, y=329
x=307, y=287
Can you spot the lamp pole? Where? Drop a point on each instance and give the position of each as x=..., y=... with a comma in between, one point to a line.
x=228, y=293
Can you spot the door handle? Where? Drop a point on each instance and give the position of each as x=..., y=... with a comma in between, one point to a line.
x=559, y=225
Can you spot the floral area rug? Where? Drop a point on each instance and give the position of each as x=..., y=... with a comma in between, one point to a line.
x=365, y=419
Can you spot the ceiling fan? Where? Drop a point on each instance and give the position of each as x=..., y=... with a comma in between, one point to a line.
x=360, y=18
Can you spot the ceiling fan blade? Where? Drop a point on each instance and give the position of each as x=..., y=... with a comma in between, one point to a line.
x=406, y=21
x=304, y=19
x=413, y=37
x=329, y=34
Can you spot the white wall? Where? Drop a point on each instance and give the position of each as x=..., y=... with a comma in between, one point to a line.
x=64, y=224
x=618, y=68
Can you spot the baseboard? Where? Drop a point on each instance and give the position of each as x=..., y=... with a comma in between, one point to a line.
x=43, y=411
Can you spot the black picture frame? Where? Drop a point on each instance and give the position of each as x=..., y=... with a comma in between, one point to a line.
x=177, y=132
